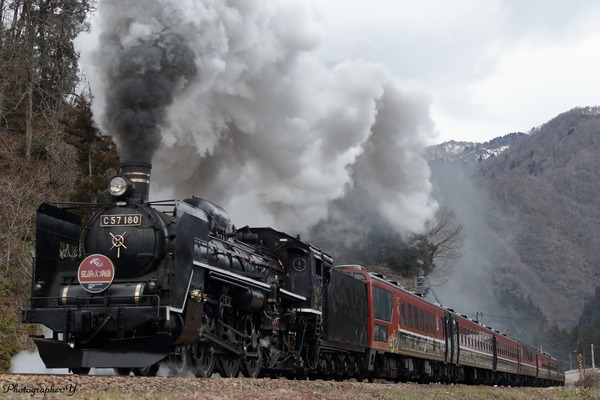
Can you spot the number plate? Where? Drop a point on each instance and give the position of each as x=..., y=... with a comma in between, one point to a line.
x=121, y=220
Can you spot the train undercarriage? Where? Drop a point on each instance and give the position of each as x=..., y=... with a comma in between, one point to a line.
x=273, y=342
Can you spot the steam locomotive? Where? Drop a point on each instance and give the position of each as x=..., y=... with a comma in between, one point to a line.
x=145, y=283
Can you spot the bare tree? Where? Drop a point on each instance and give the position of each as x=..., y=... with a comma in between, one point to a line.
x=38, y=62
x=441, y=244
x=16, y=217
x=429, y=254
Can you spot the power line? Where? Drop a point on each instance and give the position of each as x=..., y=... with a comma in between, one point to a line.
x=527, y=319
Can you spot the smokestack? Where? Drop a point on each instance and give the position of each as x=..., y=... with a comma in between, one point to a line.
x=139, y=174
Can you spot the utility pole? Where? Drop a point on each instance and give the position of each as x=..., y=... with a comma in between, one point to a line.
x=477, y=316
x=593, y=362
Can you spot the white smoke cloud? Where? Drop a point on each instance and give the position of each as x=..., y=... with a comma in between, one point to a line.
x=29, y=362
x=261, y=125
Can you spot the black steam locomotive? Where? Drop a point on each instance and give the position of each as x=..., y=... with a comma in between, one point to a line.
x=145, y=282
x=174, y=281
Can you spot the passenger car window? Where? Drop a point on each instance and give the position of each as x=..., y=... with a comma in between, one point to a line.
x=382, y=304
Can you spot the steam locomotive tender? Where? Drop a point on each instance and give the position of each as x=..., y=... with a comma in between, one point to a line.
x=146, y=282
x=174, y=281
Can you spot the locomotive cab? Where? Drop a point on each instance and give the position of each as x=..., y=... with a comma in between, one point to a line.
x=307, y=268
x=307, y=274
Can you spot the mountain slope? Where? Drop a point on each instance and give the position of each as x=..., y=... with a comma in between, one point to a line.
x=550, y=181
x=532, y=220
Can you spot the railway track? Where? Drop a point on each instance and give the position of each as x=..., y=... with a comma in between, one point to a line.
x=112, y=387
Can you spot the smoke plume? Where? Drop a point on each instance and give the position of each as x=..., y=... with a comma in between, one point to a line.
x=232, y=102
x=136, y=69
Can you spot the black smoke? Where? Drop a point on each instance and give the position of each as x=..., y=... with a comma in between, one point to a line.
x=143, y=81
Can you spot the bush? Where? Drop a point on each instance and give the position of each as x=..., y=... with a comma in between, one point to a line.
x=589, y=380
x=39, y=147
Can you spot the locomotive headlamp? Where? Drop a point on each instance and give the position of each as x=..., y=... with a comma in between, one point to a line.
x=39, y=285
x=120, y=186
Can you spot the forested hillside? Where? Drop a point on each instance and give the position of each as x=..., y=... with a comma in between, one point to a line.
x=533, y=226
x=549, y=182
x=49, y=150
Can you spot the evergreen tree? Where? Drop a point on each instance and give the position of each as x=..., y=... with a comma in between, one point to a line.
x=97, y=155
x=587, y=331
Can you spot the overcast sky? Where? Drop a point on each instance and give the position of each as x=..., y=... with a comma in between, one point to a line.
x=491, y=67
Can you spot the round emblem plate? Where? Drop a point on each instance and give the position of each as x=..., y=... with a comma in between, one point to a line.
x=299, y=264
x=96, y=273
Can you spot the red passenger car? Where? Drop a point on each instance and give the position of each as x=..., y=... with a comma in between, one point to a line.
x=476, y=355
x=402, y=326
x=507, y=358
x=409, y=338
